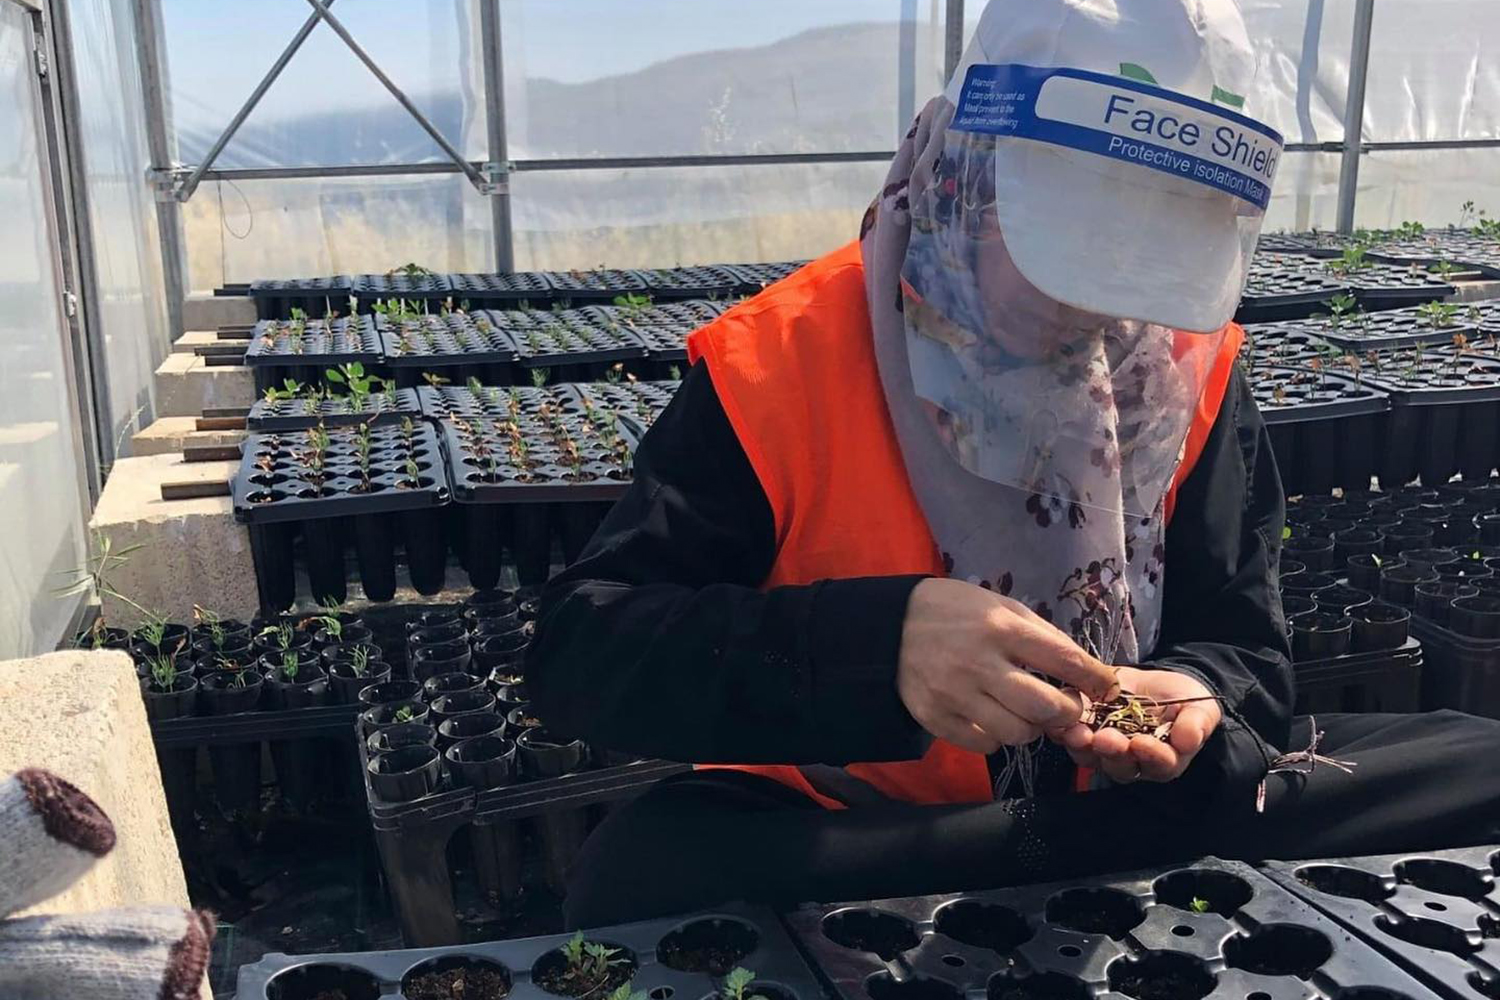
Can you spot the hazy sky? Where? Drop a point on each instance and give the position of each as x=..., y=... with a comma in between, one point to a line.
x=416, y=42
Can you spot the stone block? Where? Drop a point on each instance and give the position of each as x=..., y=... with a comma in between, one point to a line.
x=209, y=312
x=185, y=386
x=192, y=551
x=169, y=435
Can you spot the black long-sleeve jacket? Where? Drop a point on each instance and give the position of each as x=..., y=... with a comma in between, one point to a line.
x=659, y=641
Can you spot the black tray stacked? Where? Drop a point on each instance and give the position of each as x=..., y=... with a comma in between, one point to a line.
x=304, y=350
x=1285, y=287
x=315, y=297
x=504, y=290
x=682, y=957
x=1217, y=929
x=704, y=281
x=340, y=487
x=1460, y=248
x=454, y=346
x=1436, y=914
x=1325, y=428
x=416, y=288
x=389, y=405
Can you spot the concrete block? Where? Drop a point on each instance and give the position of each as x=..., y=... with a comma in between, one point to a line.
x=209, y=312
x=84, y=721
x=169, y=435
x=1476, y=291
x=194, y=339
x=192, y=551
x=185, y=386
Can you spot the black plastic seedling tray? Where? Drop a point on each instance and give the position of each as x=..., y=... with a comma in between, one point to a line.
x=701, y=281
x=780, y=972
x=482, y=291
x=1445, y=416
x=1281, y=288
x=1135, y=935
x=273, y=495
x=599, y=285
x=398, y=285
x=1462, y=672
x=254, y=727
x=333, y=411
x=276, y=352
x=494, y=402
x=570, y=340
x=1390, y=286
x=1391, y=329
x=456, y=346
x=1325, y=428
x=756, y=277
x=687, y=315
x=1312, y=244
x=1287, y=345
x=275, y=299
x=1435, y=914
x=1466, y=250
x=637, y=404
x=548, y=477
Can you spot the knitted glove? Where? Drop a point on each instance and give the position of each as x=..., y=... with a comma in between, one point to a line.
x=50, y=834
x=143, y=953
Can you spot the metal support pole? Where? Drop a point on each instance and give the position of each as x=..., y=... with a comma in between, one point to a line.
x=159, y=147
x=494, y=117
x=953, y=33
x=338, y=27
x=906, y=68
x=191, y=184
x=1354, y=113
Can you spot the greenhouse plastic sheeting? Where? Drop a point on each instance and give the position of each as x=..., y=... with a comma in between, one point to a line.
x=661, y=77
x=39, y=455
x=131, y=304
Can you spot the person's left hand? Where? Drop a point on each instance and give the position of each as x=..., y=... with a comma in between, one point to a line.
x=1145, y=758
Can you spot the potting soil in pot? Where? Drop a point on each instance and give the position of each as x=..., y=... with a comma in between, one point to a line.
x=1214, y=927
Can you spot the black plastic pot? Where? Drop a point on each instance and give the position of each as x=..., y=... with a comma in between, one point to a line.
x=349, y=635
x=173, y=635
x=489, y=604
x=406, y=774
x=234, y=646
x=502, y=651
x=497, y=625
x=1313, y=552
x=1379, y=626
x=1291, y=606
x=451, y=706
x=236, y=767
x=1289, y=567
x=1398, y=584
x=401, y=736
x=520, y=718
x=1434, y=598
x=345, y=685
x=1406, y=535
x=1308, y=583
x=482, y=762
x=455, y=683
x=301, y=765
x=1355, y=541
x=228, y=627
x=1364, y=570
x=1489, y=529
x=1428, y=557
x=344, y=653
x=448, y=658
x=1464, y=570
x=1320, y=636
x=429, y=619
x=468, y=727
x=561, y=834
x=1476, y=617
x=437, y=635
x=510, y=696
x=178, y=767
x=387, y=715
x=1339, y=600
x=271, y=642
x=389, y=693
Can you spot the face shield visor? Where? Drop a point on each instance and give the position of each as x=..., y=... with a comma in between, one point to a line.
x=1051, y=298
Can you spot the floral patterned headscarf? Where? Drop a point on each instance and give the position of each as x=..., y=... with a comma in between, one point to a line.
x=1040, y=439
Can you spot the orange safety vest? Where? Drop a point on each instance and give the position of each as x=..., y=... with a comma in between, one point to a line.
x=794, y=369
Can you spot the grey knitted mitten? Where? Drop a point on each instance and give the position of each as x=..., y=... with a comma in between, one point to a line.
x=50, y=834
x=143, y=953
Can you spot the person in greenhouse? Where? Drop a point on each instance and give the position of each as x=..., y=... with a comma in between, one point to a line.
x=959, y=546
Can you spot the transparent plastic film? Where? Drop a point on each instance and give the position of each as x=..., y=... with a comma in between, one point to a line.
x=1022, y=390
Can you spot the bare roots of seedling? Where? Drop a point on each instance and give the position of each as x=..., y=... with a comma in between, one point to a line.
x=1134, y=715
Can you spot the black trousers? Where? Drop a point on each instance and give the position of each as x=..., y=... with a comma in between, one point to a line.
x=1421, y=782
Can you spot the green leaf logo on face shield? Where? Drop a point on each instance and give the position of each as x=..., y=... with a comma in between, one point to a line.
x=1132, y=71
x=1222, y=96
x=1139, y=73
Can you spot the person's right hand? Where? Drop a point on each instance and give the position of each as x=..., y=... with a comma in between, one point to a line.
x=963, y=672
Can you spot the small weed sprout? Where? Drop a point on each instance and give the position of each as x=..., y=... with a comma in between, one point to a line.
x=404, y=714
x=1199, y=905
x=539, y=377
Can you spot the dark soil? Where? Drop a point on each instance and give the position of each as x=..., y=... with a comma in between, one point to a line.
x=884, y=934
x=458, y=984
x=712, y=946
x=1159, y=979
x=1095, y=911
x=1040, y=986
x=551, y=974
x=331, y=995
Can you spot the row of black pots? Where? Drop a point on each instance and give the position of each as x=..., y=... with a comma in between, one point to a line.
x=1325, y=544
x=1324, y=630
x=1469, y=606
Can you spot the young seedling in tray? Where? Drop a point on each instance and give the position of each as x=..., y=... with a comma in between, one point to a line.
x=589, y=969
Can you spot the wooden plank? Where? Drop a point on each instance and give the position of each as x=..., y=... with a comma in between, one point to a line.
x=221, y=361
x=221, y=423
x=194, y=490
x=226, y=411
x=236, y=332
x=211, y=453
x=231, y=350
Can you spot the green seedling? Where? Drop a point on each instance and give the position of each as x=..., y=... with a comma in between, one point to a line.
x=1339, y=307
x=1199, y=905
x=290, y=389
x=1438, y=314
x=589, y=961
x=282, y=634
x=675, y=373
x=153, y=632
x=359, y=660
x=291, y=662
x=1410, y=230
x=163, y=668
x=1445, y=269
x=627, y=991
x=212, y=621
x=404, y=714
x=352, y=376
x=434, y=379
x=539, y=377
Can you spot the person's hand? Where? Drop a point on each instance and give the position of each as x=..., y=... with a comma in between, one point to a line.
x=1145, y=758
x=963, y=670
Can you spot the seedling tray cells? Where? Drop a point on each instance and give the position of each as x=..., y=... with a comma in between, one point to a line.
x=1436, y=914
x=1215, y=929
x=691, y=282
x=304, y=412
x=303, y=350
x=600, y=285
